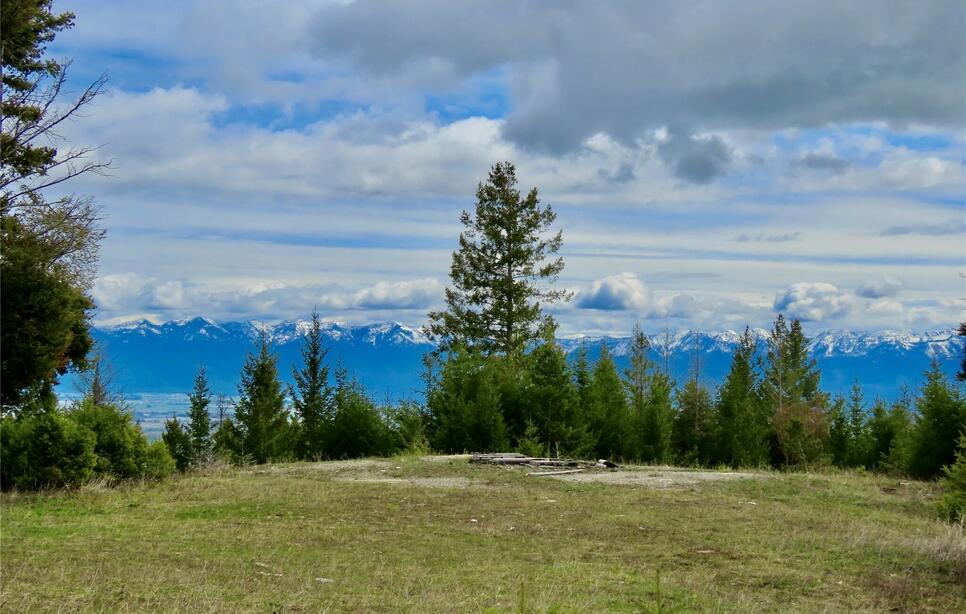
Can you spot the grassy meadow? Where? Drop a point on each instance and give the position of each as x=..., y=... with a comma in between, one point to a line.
x=436, y=534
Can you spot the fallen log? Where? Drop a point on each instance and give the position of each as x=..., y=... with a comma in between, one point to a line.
x=537, y=474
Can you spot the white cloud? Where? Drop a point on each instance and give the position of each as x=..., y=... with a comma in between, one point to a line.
x=813, y=301
x=616, y=292
x=879, y=288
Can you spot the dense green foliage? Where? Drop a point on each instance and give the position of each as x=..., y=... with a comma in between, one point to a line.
x=312, y=397
x=49, y=248
x=953, y=503
x=494, y=303
x=260, y=410
x=49, y=447
x=769, y=410
x=45, y=315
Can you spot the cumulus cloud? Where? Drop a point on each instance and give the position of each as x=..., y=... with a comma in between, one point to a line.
x=616, y=293
x=620, y=67
x=879, y=288
x=813, y=301
x=129, y=293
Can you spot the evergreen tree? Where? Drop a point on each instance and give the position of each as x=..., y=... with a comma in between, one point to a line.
x=494, y=303
x=659, y=419
x=952, y=506
x=552, y=397
x=609, y=418
x=941, y=421
x=357, y=427
x=49, y=255
x=889, y=430
x=741, y=427
x=260, y=409
x=791, y=376
x=858, y=427
x=179, y=443
x=961, y=376
x=694, y=422
x=839, y=434
x=313, y=399
x=464, y=403
x=583, y=443
x=199, y=420
x=791, y=396
x=637, y=381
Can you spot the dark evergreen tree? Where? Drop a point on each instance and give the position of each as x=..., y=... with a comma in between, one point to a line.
x=941, y=421
x=659, y=419
x=889, y=431
x=952, y=506
x=741, y=430
x=961, y=376
x=694, y=423
x=260, y=409
x=45, y=317
x=637, y=381
x=313, y=396
x=199, y=419
x=179, y=443
x=49, y=252
x=584, y=442
x=791, y=397
x=357, y=427
x=494, y=303
x=552, y=398
x=464, y=403
x=859, y=442
x=609, y=419
x=839, y=434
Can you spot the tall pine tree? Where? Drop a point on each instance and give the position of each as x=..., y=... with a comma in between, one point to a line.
x=608, y=408
x=942, y=417
x=199, y=420
x=260, y=409
x=741, y=429
x=552, y=396
x=494, y=302
x=637, y=380
x=312, y=395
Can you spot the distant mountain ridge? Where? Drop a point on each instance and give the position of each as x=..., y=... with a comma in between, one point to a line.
x=386, y=357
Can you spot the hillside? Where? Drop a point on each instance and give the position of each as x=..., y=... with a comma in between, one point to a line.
x=439, y=535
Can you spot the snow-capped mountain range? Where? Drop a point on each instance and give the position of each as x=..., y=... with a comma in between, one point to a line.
x=385, y=357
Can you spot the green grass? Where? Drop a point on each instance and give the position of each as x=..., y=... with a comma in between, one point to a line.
x=318, y=537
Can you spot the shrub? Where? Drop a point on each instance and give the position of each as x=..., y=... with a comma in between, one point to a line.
x=953, y=503
x=120, y=446
x=158, y=463
x=357, y=429
x=44, y=449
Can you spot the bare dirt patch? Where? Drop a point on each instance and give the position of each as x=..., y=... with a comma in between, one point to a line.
x=656, y=478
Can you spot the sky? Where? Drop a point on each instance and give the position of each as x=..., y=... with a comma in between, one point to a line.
x=711, y=163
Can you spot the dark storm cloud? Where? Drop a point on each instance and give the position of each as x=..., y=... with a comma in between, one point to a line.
x=694, y=159
x=577, y=68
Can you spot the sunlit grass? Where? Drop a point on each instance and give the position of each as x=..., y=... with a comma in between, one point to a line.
x=414, y=535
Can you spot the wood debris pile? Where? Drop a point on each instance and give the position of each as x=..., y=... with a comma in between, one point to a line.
x=517, y=459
